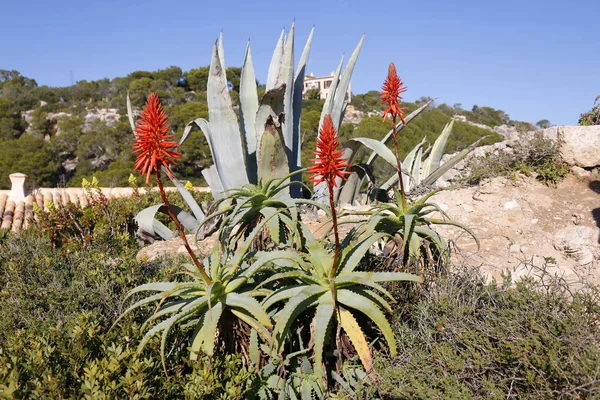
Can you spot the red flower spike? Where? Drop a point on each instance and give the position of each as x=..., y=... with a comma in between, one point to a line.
x=329, y=163
x=390, y=95
x=152, y=143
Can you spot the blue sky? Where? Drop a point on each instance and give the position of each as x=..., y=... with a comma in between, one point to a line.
x=533, y=59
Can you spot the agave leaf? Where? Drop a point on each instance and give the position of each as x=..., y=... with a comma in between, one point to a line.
x=275, y=63
x=189, y=199
x=440, y=171
x=221, y=50
x=357, y=337
x=297, y=106
x=130, y=113
x=370, y=309
x=378, y=147
x=399, y=128
x=273, y=161
x=227, y=147
x=321, y=324
x=147, y=223
x=286, y=77
x=271, y=106
x=437, y=151
x=339, y=100
x=248, y=109
x=328, y=105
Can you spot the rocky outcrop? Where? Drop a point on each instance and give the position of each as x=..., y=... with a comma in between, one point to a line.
x=109, y=116
x=580, y=145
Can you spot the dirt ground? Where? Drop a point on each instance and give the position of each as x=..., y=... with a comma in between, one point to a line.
x=522, y=223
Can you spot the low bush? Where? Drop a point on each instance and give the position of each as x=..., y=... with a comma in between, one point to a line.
x=467, y=339
x=533, y=156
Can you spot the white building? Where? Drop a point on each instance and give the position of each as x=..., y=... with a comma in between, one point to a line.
x=323, y=83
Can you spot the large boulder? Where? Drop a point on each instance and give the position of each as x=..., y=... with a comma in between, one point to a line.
x=580, y=145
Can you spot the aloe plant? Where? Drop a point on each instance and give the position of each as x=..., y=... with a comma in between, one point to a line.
x=201, y=303
x=413, y=225
x=336, y=294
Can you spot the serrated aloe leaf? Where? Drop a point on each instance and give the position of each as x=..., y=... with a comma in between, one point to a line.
x=209, y=328
x=353, y=300
x=357, y=337
x=273, y=160
x=249, y=305
x=433, y=161
x=248, y=109
x=275, y=63
x=321, y=322
x=227, y=150
x=352, y=258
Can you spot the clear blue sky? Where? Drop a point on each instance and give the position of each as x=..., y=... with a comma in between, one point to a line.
x=533, y=59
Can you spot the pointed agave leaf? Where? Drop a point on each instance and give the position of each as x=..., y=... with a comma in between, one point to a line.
x=130, y=113
x=275, y=63
x=286, y=77
x=189, y=199
x=321, y=324
x=273, y=161
x=328, y=105
x=357, y=337
x=227, y=144
x=211, y=176
x=248, y=109
x=340, y=101
x=399, y=128
x=297, y=106
x=271, y=106
x=440, y=171
x=371, y=310
x=433, y=161
x=378, y=147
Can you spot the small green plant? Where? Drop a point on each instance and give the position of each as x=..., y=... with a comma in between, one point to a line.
x=591, y=117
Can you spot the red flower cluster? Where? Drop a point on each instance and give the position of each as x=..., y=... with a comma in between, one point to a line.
x=151, y=140
x=392, y=88
x=329, y=163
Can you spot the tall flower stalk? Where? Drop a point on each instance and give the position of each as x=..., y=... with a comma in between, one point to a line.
x=156, y=150
x=328, y=166
x=390, y=95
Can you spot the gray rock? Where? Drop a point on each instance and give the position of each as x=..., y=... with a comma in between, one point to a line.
x=580, y=145
x=576, y=242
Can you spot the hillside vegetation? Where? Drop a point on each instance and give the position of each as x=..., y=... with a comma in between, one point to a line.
x=59, y=135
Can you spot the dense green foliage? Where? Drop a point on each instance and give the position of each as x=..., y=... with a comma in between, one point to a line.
x=87, y=147
x=464, y=338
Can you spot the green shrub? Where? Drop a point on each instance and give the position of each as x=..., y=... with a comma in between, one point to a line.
x=534, y=156
x=467, y=339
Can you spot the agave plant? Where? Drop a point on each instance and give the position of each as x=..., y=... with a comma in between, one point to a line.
x=268, y=129
x=337, y=293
